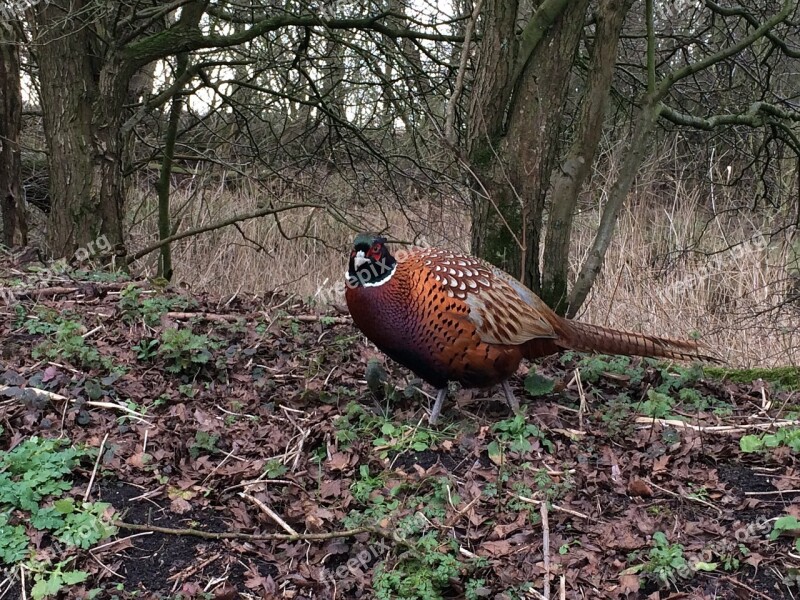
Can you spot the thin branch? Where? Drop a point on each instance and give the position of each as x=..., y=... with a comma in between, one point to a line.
x=663, y=88
x=754, y=116
x=449, y=125
x=282, y=537
x=219, y=225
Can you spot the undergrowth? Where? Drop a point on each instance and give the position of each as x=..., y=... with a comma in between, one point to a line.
x=35, y=481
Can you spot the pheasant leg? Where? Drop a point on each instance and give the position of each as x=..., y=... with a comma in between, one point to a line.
x=510, y=398
x=437, y=406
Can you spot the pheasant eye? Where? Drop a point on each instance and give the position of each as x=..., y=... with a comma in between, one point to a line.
x=376, y=248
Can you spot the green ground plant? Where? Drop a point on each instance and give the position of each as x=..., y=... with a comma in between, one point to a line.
x=64, y=340
x=516, y=435
x=136, y=304
x=788, y=525
x=784, y=436
x=666, y=562
x=34, y=489
x=186, y=352
x=388, y=438
x=675, y=387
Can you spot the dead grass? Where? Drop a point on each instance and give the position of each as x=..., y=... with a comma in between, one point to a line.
x=678, y=265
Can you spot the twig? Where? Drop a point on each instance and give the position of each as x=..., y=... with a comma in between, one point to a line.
x=53, y=397
x=192, y=570
x=106, y=567
x=92, y=332
x=267, y=537
x=62, y=290
x=222, y=462
x=458, y=88
x=648, y=421
x=582, y=394
x=746, y=587
x=119, y=540
x=545, y=548
x=454, y=519
x=464, y=552
x=204, y=316
x=270, y=513
x=691, y=498
x=772, y=493
x=569, y=511
x=262, y=212
x=94, y=470
x=322, y=318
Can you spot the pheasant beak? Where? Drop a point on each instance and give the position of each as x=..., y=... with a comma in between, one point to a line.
x=360, y=259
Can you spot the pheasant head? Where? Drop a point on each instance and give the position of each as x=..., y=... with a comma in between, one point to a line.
x=371, y=263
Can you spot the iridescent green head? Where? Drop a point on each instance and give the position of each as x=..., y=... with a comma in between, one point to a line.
x=371, y=264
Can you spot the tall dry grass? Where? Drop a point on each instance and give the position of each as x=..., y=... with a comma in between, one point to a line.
x=678, y=265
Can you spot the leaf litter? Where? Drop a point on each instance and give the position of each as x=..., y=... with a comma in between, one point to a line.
x=270, y=430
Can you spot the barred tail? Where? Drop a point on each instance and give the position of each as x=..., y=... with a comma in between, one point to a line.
x=586, y=337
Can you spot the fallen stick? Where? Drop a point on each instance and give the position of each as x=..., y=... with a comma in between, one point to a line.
x=53, y=397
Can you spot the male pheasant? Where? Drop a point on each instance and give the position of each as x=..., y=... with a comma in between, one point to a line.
x=453, y=317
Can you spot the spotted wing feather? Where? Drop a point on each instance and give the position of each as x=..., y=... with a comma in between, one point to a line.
x=502, y=310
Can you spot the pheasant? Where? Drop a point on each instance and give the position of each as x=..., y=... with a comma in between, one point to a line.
x=453, y=317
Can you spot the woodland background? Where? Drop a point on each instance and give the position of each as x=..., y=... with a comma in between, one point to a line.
x=634, y=162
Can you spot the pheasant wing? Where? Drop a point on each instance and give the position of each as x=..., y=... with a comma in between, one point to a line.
x=502, y=309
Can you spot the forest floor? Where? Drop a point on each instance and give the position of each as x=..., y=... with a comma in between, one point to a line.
x=232, y=449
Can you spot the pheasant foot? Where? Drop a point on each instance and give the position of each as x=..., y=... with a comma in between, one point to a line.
x=437, y=406
x=511, y=398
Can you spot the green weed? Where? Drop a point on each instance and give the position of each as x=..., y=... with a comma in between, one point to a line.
x=184, y=351
x=786, y=525
x=135, y=304
x=516, y=434
x=34, y=482
x=387, y=437
x=666, y=561
x=203, y=442
x=785, y=436
x=65, y=343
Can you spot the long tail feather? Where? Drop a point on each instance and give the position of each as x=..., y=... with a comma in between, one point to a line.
x=586, y=337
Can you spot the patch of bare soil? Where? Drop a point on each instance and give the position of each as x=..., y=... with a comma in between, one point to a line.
x=259, y=438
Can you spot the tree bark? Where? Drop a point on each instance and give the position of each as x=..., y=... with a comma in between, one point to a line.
x=497, y=54
x=515, y=117
x=12, y=206
x=82, y=93
x=165, y=175
x=578, y=162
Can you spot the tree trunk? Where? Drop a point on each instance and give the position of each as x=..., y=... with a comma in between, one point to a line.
x=82, y=93
x=12, y=206
x=497, y=54
x=633, y=158
x=578, y=162
x=515, y=118
x=165, y=176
